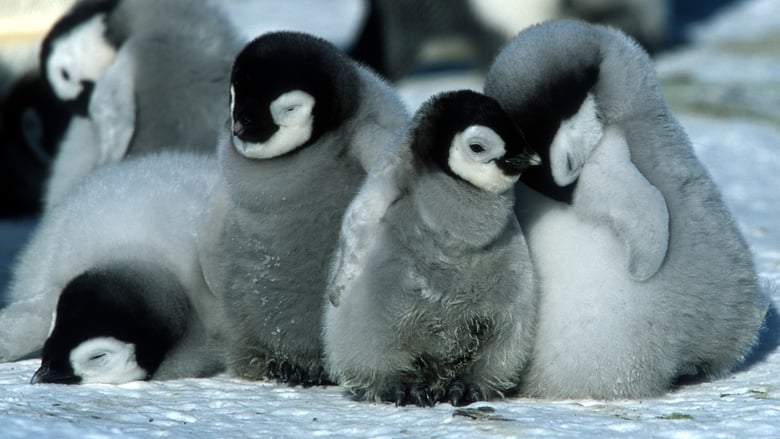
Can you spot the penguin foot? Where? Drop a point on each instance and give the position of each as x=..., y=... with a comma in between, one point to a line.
x=401, y=394
x=461, y=393
x=295, y=374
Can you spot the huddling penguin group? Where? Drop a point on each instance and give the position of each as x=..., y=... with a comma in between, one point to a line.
x=270, y=209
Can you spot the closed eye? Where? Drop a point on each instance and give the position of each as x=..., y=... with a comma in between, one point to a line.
x=97, y=357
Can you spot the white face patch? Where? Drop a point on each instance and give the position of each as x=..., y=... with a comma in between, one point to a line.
x=573, y=143
x=106, y=360
x=292, y=112
x=80, y=55
x=472, y=157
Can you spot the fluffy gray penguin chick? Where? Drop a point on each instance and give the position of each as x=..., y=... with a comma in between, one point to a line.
x=440, y=303
x=141, y=76
x=306, y=123
x=111, y=279
x=643, y=274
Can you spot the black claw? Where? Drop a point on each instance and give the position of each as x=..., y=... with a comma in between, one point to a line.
x=287, y=371
x=437, y=395
x=400, y=395
x=474, y=394
x=315, y=377
x=455, y=393
x=272, y=369
x=421, y=396
x=460, y=393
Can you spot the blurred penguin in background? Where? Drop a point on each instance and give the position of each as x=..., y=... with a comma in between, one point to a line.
x=32, y=120
x=32, y=123
x=141, y=76
x=400, y=37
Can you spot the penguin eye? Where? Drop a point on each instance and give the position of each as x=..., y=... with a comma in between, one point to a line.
x=97, y=356
x=476, y=147
x=65, y=75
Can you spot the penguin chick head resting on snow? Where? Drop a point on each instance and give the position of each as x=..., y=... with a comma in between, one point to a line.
x=111, y=326
x=77, y=50
x=468, y=136
x=277, y=110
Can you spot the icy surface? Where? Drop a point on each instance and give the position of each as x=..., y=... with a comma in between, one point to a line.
x=734, y=124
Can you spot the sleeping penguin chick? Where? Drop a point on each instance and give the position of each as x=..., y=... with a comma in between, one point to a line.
x=643, y=274
x=114, y=324
x=306, y=123
x=119, y=254
x=148, y=76
x=442, y=305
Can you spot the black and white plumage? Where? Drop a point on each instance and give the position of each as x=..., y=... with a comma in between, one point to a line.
x=141, y=76
x=306, y=123
x=432, y=295
x=644, y=276
x=118, y=261
x=399, y=37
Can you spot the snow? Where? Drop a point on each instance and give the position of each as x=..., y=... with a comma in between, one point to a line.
x=740, y=148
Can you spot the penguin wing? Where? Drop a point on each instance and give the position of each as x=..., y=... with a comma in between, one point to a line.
x=612, y=190
x=362, y=219
x=112, y=108
x=210, y=233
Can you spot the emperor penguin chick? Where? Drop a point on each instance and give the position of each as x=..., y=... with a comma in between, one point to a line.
x=643, y=274
x=116, y=323
x=440, y=303
x=111, y=279
x=141, y=76
x=306, y=124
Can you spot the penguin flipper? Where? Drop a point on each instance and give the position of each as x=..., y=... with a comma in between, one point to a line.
x=210, y=232
x=112, y=108
x=612, y=189
x=363, y=216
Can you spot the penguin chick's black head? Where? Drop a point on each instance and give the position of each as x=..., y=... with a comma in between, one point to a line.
x=72, y=74
x=468, y=136
x=280, y=72
x=104, y=331
x=542, y=78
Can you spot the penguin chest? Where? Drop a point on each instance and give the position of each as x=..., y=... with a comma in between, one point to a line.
x=581, y=270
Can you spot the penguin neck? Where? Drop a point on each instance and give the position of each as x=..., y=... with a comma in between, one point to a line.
x=457, y=215
x=257, y=184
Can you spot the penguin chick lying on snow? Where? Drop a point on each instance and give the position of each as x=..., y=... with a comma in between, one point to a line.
x=141, y=76
x=433, y=296
x=643, y=273
x=119, y=253
x=307, y=122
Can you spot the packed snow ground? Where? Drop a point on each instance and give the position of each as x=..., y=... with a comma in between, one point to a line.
x=721, y=88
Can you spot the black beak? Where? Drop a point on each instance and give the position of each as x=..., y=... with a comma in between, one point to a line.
x=238, y=129
x=45, y=374
x=80, y=105
x=516, y=165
